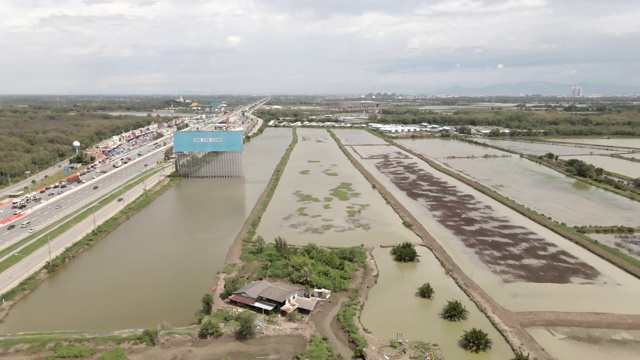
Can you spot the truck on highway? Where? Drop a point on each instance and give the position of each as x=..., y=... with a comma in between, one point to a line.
x=71, y=179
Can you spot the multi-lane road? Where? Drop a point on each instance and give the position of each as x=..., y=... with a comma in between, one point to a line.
x=108, y=180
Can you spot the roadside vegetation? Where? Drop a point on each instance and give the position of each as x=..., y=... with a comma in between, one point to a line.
x=99, y=233
x=347, y=317
x=318, y=349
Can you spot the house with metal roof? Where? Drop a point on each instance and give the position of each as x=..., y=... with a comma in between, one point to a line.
x=265, y=296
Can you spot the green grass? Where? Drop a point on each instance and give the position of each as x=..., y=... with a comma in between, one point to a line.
x=343, y=192
x=305, y=172
x=305, y=197
x=71, y=352
x=229, y=268
x=328, y=199
x=313, y=161
x=114, y=354
x=352, y=213
x=326, y=206
x=330, y=172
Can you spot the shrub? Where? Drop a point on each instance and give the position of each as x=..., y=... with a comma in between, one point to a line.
x=72, y=352
x=404, y=252
x=210, y=328
x=426, y=291
x=455, y=311
x=476, y=340
x=115, y=354
x=246, y=325
x=149, y=337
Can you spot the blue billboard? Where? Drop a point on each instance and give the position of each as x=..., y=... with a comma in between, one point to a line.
x=207, y=141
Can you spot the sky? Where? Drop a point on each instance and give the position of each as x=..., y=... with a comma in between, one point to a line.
x=312, y=46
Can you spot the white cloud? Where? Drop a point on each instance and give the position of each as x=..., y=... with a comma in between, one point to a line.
x=100, y=45
x=234, y=40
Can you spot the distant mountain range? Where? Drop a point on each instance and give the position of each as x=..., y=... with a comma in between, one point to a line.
x=542, y=88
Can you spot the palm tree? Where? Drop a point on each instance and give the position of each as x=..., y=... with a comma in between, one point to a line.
x=426, y=291
x=455, y=311
x=520, y=356
x=476, y=340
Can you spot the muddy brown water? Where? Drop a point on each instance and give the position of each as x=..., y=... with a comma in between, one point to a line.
x=568, y=343
x=535, y=148
x=610, y=141
x=322, y=198
x=562, y=198
x=619, y=166
x=615, y=289
x=156, y=266
x=510, y=250
x=393, y=309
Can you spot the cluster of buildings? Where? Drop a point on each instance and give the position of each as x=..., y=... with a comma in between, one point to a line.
x=265, y=297
x=120, y=144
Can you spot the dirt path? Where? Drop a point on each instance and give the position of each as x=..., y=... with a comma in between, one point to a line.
x=327, y=324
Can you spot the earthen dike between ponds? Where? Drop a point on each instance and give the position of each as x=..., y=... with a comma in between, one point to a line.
x=501, y=246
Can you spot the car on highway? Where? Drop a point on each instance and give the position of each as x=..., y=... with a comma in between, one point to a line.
x=58, y=206
x=43, y=191
x=47, y=188
x=51, y=194
x=32, y=230
x=120, y=199
x=95, y=187
x=60, y=192
x=11, y=227
x=63, y=186
x=145, y=165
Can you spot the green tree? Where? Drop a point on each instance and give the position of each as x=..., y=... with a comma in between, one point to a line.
x=207, y=303
x=476, y=340
x=231, y=285
x=209, y=328
x=246, y=325
x=281, y=246
x=149, y=337
x=494, y=132
x=404, y=252
x=259, y=244
x=168, y=153
x=455, y=311
x=464, y=130
x=426, y=291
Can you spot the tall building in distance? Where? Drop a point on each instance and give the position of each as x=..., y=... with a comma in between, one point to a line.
x=576, y=91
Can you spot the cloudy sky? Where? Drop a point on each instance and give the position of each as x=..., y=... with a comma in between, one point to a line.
x=312, y=46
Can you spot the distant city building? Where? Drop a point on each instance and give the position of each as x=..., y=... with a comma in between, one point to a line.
x=576, y=91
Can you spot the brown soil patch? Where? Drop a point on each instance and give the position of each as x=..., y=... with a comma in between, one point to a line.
x=275, y=347
x=511, y=251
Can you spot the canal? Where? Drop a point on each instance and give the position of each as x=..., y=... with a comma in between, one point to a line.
x=157, y=265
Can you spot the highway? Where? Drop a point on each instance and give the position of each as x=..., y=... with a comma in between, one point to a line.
x=81, y=196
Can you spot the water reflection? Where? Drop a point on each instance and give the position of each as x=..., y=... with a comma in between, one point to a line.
x=156, y=266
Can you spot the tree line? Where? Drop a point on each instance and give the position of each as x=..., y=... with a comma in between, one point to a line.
x=32, y=140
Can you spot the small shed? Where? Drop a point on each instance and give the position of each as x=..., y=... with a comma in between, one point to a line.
x=322, y=294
